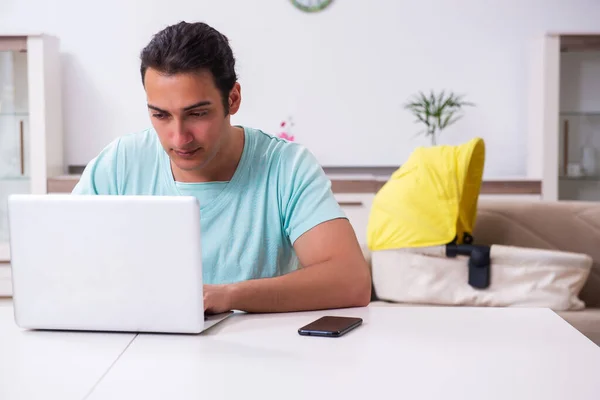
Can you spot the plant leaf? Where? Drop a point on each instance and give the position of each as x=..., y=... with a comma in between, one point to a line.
x=436, y=111
x=444, y=123
x=424, y=120
x=453, y=120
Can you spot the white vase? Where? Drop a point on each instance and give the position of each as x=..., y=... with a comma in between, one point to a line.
x=588, y=161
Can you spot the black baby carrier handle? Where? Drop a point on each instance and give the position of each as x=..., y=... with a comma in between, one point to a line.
x=479, y=261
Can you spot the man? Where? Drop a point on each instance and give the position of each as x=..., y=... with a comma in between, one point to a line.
x=274, y=237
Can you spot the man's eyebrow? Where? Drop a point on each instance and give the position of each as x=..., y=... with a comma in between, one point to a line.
x=199, y=104
x=157, y=109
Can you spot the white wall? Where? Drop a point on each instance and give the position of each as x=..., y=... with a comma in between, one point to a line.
x=580, y=92
x=343, y=74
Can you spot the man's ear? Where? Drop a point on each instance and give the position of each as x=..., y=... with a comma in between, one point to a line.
x=235, y=98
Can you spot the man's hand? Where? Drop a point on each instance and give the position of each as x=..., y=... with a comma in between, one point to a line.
x=217, y=298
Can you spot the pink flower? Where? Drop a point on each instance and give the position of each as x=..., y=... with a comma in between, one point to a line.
x=285, y=136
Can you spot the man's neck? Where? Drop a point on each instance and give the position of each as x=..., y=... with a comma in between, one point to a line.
x=222, y=166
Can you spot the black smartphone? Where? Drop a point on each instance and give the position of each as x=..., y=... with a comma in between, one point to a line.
x=329, y=326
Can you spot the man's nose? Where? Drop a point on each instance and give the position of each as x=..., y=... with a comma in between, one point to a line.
x=179, y=134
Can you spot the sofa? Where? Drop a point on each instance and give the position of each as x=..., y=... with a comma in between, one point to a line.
x=572, y=226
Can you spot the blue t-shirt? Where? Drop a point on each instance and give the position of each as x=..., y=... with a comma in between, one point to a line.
x=248, y=224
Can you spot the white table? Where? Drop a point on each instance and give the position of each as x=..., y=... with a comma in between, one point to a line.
x=399, y=352
x=53, y=365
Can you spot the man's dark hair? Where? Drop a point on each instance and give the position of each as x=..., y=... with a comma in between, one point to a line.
x=192, y=47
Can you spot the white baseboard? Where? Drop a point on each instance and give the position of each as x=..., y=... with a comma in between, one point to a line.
x=5, y=281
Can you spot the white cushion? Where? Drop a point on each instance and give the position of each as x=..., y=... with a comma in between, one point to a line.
x=519, y=277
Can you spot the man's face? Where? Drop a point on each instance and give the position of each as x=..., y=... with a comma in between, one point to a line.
x=187, y=112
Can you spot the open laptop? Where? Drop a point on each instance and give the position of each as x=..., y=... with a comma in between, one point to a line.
x=107, y=263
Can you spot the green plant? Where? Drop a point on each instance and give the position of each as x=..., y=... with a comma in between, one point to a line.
x=436, y=111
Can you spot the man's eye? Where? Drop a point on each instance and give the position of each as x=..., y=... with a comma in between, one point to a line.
x=159, y=116
x=198, y=114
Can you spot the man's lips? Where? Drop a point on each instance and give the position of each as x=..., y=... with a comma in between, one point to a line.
x=186, y=153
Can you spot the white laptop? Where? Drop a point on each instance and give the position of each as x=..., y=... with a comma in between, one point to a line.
x=107, y=263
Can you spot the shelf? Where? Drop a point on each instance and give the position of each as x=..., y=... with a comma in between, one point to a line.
x=4, y=252
x=15, y=178
x=14, y=114
x=580, y=113
x=580, y=178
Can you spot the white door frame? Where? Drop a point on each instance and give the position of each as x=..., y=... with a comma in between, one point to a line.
x=550, y=120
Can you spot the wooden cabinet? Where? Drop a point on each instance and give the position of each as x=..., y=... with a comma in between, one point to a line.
x=31, y=134
x=579, y=129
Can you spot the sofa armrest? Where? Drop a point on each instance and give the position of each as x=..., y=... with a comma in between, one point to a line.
x=567, y=226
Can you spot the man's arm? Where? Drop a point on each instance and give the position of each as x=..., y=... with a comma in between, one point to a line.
x=334, y=274
x=100, y=174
